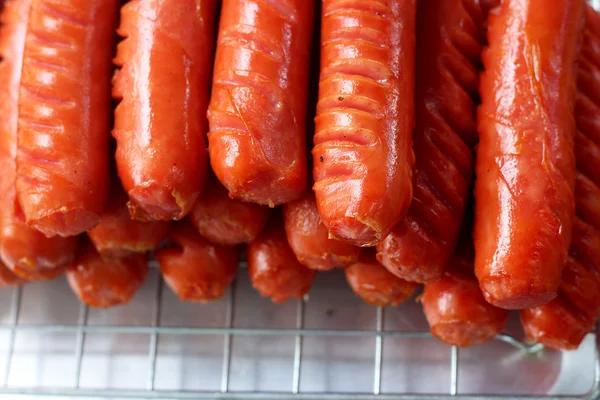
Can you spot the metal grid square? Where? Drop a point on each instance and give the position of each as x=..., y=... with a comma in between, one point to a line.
x=311, y=349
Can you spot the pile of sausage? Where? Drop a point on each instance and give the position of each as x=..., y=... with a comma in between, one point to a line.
x=409, y=107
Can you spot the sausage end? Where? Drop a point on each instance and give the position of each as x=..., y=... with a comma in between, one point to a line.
x=514, y=294
x=65, y=223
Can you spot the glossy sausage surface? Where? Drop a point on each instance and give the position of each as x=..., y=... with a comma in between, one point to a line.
x=257, y=111
x=309, y=238
x=450, y=37
x=525, y=163
x=376, y=285
x=564, y=322
x=273, y=267
x=165, y=63
x=25, y=251
x=194, y=268
x=226, y=221
x=454, y=306
x=64, y=114
x=8, y=278
x=103, y=283
x=118, y=235
x=365, y=115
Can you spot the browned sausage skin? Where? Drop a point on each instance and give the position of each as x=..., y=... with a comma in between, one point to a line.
x=375, y=284
x=450, y=38
x=309, y=238
x=273, y=267
x=194, y=268
x=365, y=115
x=454, y=306
x=564, y=322
x=525, y=162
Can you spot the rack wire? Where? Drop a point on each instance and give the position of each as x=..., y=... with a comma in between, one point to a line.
x=228, y=331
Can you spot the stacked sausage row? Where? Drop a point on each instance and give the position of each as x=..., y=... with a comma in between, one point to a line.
x=407, y=94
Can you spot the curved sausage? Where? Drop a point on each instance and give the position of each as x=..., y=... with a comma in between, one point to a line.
x=64, y=114
x=525, y=163
x=257, y=111
x=564, y=322
x=376, y=285
x=118, y=235
x=365, y=114
x=454, y=306
x=25, y=251
x=163, y=83
x=273, y=267
x=309, y=238
x=196, y=270
x=104, y=283
x=449, y=42
x=226, y=221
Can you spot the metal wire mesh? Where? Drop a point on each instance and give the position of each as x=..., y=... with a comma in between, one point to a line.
x=155, y=331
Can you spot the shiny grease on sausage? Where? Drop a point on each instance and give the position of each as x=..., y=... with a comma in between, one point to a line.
x=525, y=162
x=365, y=115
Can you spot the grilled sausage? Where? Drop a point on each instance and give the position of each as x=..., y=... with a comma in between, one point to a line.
x=273, y=267
x=449, y=42
x=165, y=66
x=118, y=235
x=376, y=285
x=64, y=114
x=309, y=238
x=363, y=148
x=564, y=322
x=103, y=283
x=196, y=270
x=525, y=163
x=226, y=221
x=454, y=306
x=25, y=251
x=257, y=111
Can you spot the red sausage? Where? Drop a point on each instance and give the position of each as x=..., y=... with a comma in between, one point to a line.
x=64, y=114
x=309, y=238
x=365, y=114
x=525, y=163
x=104, y=283
x=226, y=221
x=117, y=235
x=196, y=270
x=564, y=322
x=376, y=285
x=25, y=251
x=449, y=42
x=163, y=83
x=257, y=111
x=273, y=267
x=455, y=308
x=8, y=278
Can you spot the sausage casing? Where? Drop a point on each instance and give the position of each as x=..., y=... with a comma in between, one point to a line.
x=376, y=285
x=118, y=235
x=195, y=269
x=257, y=111
x=25, y=251
x=226, y=221
x=564, y=322
x=365, y=115
x=450, y=38
x=163, y=83
x=64, y=114
x=309, y=238
x=525, y=162
x=454, y=306
x=103, y=283
x=273, y=267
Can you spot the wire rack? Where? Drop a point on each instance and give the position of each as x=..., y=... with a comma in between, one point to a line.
x=156, y=330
